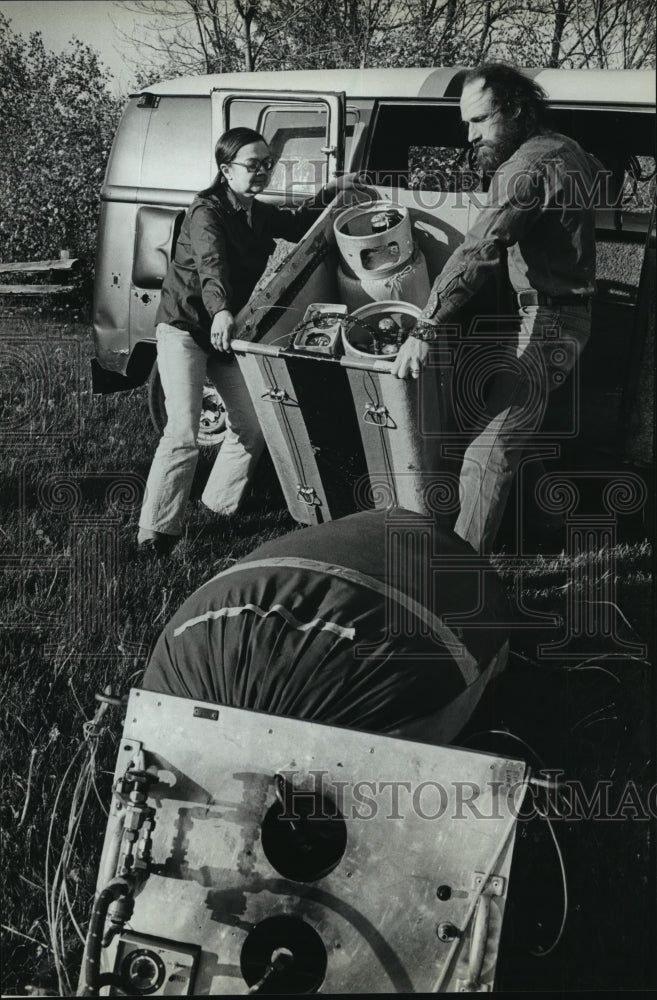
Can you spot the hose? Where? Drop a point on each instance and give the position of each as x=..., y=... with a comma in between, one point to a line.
x=114, y=890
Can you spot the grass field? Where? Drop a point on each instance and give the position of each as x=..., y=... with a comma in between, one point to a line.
x=70, y=489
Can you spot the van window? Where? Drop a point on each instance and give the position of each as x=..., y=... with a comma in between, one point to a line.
x=624, y=141
x=638, y=193
x=399, y=153
x=296, y=134
x=439, y=168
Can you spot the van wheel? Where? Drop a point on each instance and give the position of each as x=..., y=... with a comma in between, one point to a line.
x=212, y=427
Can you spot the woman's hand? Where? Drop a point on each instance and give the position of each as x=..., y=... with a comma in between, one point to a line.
x=222, y=330
x=412, y=356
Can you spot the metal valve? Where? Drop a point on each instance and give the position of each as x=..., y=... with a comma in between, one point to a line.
x=375, y=415
x=307, y=495
x=275, y=395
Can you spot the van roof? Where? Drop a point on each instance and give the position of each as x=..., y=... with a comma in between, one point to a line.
x=625, y=86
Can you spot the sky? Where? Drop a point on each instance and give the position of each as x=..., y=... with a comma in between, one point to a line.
x=96, y=22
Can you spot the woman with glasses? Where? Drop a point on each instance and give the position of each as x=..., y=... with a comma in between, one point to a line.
x=222, y=250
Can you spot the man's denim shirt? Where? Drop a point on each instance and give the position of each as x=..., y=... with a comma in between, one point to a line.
x=539, y=213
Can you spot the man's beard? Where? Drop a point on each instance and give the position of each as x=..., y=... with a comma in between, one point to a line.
x=489, y=156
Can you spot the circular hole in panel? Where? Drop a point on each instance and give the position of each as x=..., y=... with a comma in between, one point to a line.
x=304, y=835
x=284, y=955
x=142, y=972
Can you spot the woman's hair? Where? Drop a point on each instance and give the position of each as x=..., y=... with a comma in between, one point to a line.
x=226, y=149
x=515, y=94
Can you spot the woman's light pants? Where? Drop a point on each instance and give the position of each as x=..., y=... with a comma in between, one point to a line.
x=183, y=368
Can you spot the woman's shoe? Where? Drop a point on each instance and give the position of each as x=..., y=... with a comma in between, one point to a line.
x=157, y=542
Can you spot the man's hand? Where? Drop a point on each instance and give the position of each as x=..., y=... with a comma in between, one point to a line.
x=349, y=189
x=222, y=330
x=411, y=358
x=342, y=183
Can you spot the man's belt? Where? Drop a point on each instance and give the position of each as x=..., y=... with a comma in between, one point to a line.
x=532, y=298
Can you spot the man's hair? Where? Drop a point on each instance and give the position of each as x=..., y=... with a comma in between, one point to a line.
x=514, y=94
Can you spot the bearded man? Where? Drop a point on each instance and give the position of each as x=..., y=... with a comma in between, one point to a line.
x=535, y=221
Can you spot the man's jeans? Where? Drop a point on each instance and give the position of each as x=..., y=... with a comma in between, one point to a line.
x=183, y=367
x=550, y=341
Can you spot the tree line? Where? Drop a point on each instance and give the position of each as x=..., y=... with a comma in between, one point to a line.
x=58, y=113
x=57, y=118
x=220, y=36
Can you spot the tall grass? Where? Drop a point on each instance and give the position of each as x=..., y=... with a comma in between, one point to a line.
x=70, y=484
x=65, y=451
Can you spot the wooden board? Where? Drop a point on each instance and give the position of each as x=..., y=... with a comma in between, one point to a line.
x=36, y=289
x=27, y=267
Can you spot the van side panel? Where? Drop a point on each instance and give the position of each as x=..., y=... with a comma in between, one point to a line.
x=116, y=236
x=178, y=154
x=154, y=237
x=156, y=231
x=177, y=162
x=124, y=164
x=160, y=157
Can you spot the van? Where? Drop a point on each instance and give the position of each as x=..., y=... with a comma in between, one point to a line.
x=395, y=125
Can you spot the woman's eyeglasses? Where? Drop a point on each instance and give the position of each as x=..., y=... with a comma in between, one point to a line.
x=252, y=166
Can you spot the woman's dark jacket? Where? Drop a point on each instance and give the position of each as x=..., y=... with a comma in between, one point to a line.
x=220, y=258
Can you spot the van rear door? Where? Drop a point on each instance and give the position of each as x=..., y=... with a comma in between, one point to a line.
x=305, y=131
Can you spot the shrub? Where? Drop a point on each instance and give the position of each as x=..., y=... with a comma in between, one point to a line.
x=57, y=117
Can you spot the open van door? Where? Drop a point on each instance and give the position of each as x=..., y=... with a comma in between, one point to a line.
x=304, y=130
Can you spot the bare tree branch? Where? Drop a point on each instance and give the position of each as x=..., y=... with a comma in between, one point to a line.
x=191, y=36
